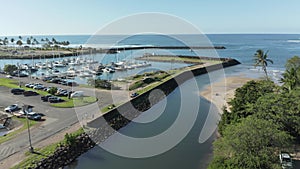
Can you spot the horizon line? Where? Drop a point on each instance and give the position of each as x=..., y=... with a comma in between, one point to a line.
x=212, y=33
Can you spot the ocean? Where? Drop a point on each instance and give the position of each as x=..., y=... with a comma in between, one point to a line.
x=242, y=47
x=189, y=153
x=239, y=46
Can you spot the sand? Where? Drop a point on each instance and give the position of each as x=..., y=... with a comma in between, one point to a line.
x=221, y=92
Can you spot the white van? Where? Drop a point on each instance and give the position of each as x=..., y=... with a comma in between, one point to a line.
x=77, y=94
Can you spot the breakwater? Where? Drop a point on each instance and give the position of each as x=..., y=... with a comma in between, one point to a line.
x=102, y=128
x=36, y=53
x=142, y=103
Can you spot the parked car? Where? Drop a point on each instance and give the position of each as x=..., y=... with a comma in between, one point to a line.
x=285, y=160
x=34, y=116
x=38, y=87
x=77, y=94
x=30, y=93
x=9, y=76
x=45, y=98
x=55, y=80
x=19, y=114
x=11, y=108
x=47, y=79
x=28, y=84
x=17, y=91
x=134, y=95
x=31, y=85
x=72, y=84
x=47, y=89
x=55, y=99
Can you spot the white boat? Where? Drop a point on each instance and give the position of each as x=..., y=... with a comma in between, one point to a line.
x=144, y=64
x=108, y=70
x=58, y=64
x=120, y=68
x=85, y=74
x=71, y=71
x=121, y=63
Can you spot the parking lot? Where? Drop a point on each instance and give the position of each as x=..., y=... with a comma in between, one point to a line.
x=56, y=119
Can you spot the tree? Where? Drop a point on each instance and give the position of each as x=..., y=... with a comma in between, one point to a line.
x=53, y=90
x=5, y=41
x=250, y=144
x=290, y=79
x=20, y=43
x=282, y=109
x=293, y=62
x=261, y=59
x=10, y=69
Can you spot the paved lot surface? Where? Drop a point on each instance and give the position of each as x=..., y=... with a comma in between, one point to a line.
x=57, y=119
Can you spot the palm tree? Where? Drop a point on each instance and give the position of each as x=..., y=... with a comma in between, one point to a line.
x=12, y=40
x=5, y=41
x=261, y=59
x=28, y=41
x=290, y=79
x=19, y=42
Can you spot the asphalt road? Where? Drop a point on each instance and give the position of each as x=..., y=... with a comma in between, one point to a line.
x=56, y=119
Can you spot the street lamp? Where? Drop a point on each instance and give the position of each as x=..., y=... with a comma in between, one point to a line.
x=27, y=109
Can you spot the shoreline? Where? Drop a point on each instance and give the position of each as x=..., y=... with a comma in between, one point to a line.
x=117, y=121
x=221, y=92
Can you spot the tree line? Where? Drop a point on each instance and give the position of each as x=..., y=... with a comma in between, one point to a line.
x=31, y=41
x=263, y=120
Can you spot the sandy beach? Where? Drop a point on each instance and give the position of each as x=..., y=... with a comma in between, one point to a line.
x=222, y=91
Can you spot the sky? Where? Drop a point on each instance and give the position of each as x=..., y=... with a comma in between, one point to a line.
x=72, y=17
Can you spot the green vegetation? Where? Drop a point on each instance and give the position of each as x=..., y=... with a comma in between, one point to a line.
x=178, y=59
x=69, y=103
x=75, y=102
x=99, y=83
x=263, y=120
x=47, y=151
x=291, y=78
x=10, y=68
x=13, y=134
x=261, y=59
x=108, y=108
x=148, y=79
x=250, y=143
x=10, y=83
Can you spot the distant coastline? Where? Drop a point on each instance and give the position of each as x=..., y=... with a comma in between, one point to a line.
x=36, y=53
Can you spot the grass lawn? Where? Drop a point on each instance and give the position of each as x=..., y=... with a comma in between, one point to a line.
x=75, y=102
x=109, y=107
x=12, y=83
x=69, y=103
x=42, y=152
x=14, y=133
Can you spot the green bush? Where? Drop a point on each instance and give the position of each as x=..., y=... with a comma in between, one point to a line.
x=136, y=85
x=53, y=90
x=70, y=139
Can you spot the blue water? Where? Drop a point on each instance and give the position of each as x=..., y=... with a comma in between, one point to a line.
x=188, y=153
x=238, y=46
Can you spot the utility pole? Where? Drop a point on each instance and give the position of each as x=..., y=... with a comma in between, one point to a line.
x=26, y=110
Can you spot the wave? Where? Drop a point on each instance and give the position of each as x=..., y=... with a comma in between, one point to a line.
x=294, y=41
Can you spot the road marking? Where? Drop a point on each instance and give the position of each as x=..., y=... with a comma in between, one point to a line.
x=6, y=151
